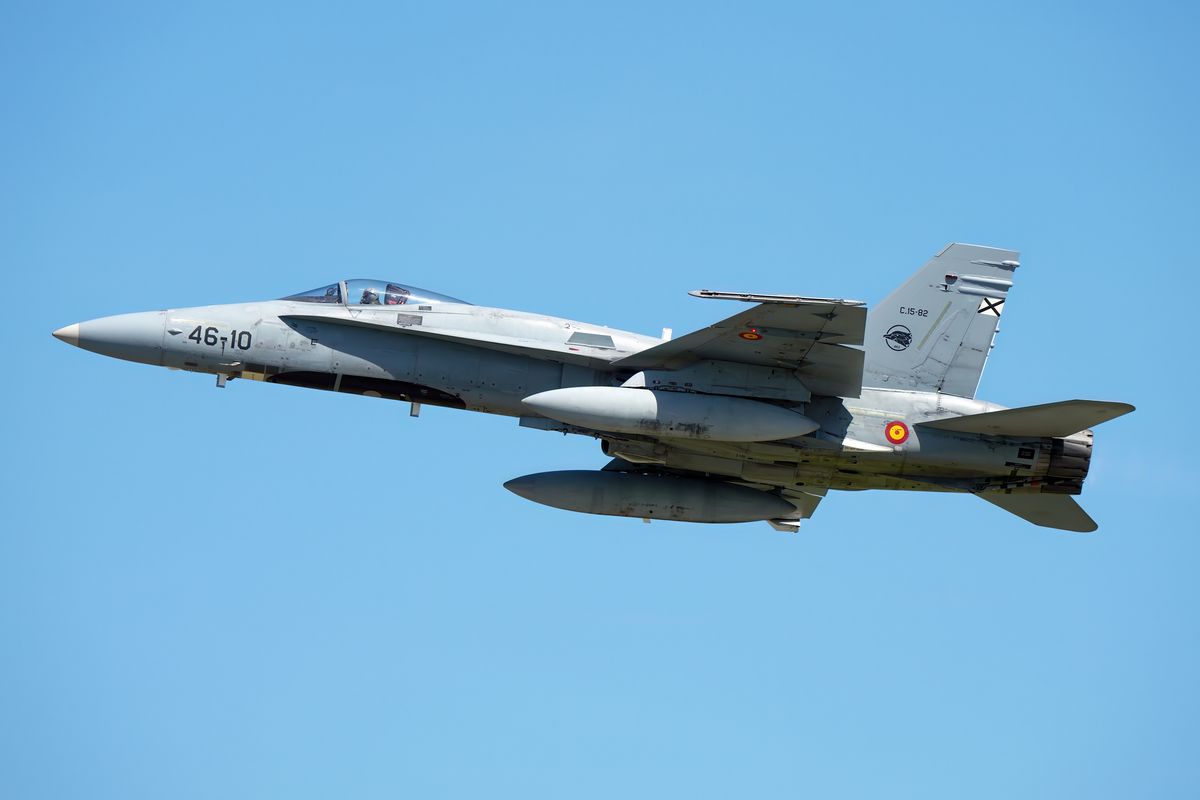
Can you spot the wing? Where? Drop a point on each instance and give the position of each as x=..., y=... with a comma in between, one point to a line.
x=815, y=337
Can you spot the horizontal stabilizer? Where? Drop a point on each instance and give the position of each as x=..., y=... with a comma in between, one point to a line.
x=1050, y=419
x=1048, y=510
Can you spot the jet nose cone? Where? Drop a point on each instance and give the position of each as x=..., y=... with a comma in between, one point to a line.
x=133, y=337
x=68, y=334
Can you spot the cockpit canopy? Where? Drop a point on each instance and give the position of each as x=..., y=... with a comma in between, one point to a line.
x=371, y=292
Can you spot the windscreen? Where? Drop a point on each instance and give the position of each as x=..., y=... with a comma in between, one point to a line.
x=326, y=294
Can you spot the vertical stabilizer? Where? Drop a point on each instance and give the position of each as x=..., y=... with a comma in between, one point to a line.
x=934, y=332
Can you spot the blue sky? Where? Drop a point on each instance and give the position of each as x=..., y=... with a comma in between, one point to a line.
x=271, y=592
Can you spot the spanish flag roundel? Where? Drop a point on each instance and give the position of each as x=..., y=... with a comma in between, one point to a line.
x=896, y=432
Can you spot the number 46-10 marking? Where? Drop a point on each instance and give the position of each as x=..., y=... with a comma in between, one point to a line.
x=209, y=336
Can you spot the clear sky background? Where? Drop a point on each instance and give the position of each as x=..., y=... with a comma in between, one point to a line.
x=271, y=592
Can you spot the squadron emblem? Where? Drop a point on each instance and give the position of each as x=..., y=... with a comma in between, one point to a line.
x=898, y=337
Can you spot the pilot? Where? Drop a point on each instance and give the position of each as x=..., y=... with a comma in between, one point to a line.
x=370, y=297
x=396, y=295
x=333, y=294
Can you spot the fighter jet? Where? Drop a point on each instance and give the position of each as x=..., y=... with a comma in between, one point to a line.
x=755, y=417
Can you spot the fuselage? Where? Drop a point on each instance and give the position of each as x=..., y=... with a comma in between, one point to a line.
x=754, y=417
x=490, y=360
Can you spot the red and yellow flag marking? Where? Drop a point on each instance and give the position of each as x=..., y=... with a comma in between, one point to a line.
x=896, y=432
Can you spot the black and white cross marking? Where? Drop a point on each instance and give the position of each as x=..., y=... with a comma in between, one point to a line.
x=990, y=305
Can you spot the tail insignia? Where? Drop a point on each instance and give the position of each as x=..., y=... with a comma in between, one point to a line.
x=898, y=337
x=990, y=306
